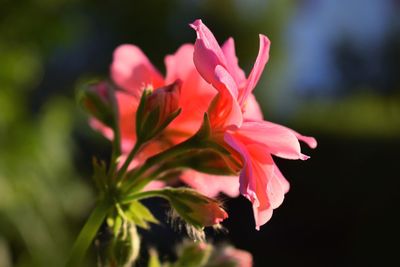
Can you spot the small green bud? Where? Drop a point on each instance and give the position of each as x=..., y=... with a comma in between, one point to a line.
x=125, y=245
x=193, y=254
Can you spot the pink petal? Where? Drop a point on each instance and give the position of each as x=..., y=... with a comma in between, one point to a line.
x=310, y=141
x=180, y=64
x=255, y=74
x=244, y=180
x=127, y=106
x=252, y=110
x=285, y=184
x=154, y=185
x=103, y=129
x=279, y=140
x=226, y=82
x=207, y=54
x=196, y=96
x=132, y=71
x=225, y=111
x=256, y=178
x=262, y=216
x=269, y=194
x=228, y=48
x=207, y=40
x=275, y=190
x=211, y=185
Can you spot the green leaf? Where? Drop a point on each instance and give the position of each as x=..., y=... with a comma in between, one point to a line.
x=196, y=209
x=140, y=215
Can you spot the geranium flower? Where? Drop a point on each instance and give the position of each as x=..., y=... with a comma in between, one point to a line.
x=237, y=123
x=132, y=72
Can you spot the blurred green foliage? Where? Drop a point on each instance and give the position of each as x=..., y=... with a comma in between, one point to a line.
x=42, y=198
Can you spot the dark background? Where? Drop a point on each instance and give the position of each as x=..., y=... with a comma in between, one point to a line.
x=333, y=74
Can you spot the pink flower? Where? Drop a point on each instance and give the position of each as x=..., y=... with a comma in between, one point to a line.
x=237, y=123
x=166, y=99
x=260, y=179
x=132, y=72
x=219, y=66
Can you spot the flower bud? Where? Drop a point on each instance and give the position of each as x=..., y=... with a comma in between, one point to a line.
x=195, y=208
x=166, y=99
x=124, y=248
x=97, y=101
x=193, y=254
x=157, y=109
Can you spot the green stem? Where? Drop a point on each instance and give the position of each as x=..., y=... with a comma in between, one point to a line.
x=128, y=160
x=88, y=233
x=169, y=153
x=116, y=144
x=191, y=143
x=160, y=173
x=143, y=195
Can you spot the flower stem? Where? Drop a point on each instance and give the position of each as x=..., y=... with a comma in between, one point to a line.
x=157, y=159
x=143, y=195
x=128, y=160
x=88, y=233
x=169, y=153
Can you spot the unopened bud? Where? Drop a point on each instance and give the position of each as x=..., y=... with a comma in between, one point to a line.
x=195, y=208
x=97, y=101
x=157, y=110
x=125, y=246
x=193, y=254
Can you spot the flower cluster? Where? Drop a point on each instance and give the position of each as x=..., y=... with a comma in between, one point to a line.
x=200, y=125
x=205, y=94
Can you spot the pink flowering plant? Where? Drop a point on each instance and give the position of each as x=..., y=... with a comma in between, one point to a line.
x=201, y=124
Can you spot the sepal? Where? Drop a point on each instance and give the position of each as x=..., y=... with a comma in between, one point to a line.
x=140, y=215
